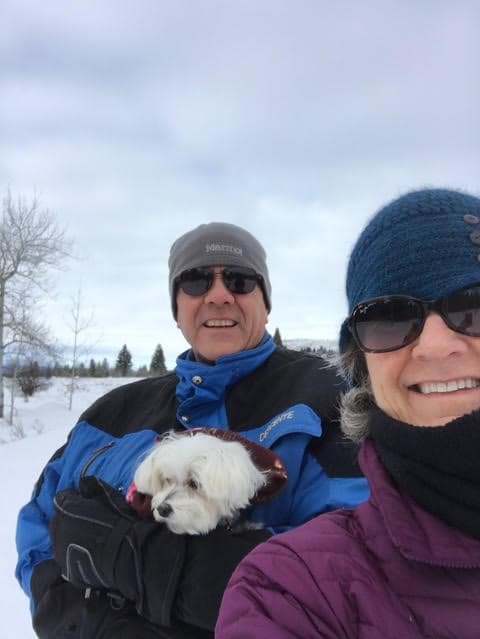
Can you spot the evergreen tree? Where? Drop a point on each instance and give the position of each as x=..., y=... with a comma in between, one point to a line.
x=92, y=368
x=104, y=368
x=277, y=338
x=157, y=365
x=124, y=361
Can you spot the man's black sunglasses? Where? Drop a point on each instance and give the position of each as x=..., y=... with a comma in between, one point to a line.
x=238, y=280
x=391, y=322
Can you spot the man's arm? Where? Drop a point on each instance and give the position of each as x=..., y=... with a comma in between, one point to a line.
x=58, y=608
x=99, y=543
x=55, y=604
x=323, y=473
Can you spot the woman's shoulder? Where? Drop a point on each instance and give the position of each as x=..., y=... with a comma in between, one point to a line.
x=302, y=577
x=336, y=531
x=309, y=546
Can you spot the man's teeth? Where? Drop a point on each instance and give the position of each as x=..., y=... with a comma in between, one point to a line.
x=219, y=323
x=448, y=387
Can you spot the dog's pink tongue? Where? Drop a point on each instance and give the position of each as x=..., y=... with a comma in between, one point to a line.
x=141, y=503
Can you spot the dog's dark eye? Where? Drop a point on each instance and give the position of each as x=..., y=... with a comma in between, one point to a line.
x=192, y=484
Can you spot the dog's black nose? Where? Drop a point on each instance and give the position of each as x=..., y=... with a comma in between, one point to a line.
x=164, y=510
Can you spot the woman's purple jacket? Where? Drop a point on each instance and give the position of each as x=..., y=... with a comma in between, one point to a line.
x=384, y=570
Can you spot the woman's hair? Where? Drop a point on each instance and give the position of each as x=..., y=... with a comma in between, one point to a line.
x=358, y=400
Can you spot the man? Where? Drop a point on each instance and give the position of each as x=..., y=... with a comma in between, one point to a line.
x=103, y=572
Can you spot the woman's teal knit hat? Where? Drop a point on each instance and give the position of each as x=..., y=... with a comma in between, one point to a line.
x=425, y=244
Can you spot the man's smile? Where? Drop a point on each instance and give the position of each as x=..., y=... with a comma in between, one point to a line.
x=220, y=323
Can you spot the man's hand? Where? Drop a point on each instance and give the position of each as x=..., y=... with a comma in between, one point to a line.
x=98, y=542
x=103, y=621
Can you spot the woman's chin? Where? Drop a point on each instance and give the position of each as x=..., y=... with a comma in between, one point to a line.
x=438, y=409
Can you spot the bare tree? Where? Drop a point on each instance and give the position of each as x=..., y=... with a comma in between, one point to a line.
x=31, y=244
x=26, y=338
x=79, y=322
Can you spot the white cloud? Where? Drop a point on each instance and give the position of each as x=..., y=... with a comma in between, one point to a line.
x=136, y=121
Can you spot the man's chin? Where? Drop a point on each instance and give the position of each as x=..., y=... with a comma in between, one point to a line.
x=210, y=355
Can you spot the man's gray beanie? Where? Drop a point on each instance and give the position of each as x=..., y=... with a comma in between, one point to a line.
x=217, y=244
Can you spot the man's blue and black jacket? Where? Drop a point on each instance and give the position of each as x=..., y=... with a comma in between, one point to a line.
x=282, y=399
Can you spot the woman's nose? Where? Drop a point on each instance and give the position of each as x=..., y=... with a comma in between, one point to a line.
x=438, y=340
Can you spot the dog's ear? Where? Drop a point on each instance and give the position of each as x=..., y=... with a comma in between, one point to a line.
x=228, y=474
x=264, y=459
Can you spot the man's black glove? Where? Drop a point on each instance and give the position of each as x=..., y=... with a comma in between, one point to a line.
x=99, y=542
x=63, y=612
x=101, y=619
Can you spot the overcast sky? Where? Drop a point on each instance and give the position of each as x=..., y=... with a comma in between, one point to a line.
x=135, y=121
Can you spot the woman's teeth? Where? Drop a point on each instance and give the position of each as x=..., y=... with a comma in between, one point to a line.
x=447, y=387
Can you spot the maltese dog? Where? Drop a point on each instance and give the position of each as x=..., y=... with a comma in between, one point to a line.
x=195, y=480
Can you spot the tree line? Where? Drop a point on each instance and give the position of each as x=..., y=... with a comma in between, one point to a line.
x=123, y=363
x=321, y=351
x=30, y=374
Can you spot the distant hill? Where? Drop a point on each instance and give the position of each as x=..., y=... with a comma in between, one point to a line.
x=299, y=344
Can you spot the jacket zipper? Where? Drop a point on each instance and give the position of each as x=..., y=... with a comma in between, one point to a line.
x=94, y=457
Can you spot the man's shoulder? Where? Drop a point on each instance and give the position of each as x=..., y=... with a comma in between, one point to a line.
x=285, y=379
x=138, y=388
x=132, y=405
x=282, y=353
x=303, y=367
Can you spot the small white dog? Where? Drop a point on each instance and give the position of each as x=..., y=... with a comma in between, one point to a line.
x=198, y=480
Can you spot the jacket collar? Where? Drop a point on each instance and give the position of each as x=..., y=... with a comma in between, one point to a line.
x=416, y=534
x=226, y=371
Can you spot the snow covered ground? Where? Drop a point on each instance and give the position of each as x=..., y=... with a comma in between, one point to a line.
x=45, y=421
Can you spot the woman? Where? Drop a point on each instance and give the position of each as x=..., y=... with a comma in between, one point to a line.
x=406, y=563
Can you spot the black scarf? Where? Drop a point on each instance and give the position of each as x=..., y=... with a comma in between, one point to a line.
x=438, y=466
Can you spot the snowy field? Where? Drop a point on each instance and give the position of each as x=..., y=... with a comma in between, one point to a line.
x=45, y=421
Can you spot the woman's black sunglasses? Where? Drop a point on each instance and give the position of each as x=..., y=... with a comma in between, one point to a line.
x=238, y=280
x=391, y=322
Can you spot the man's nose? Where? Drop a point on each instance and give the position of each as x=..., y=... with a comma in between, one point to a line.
x=218, y=293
